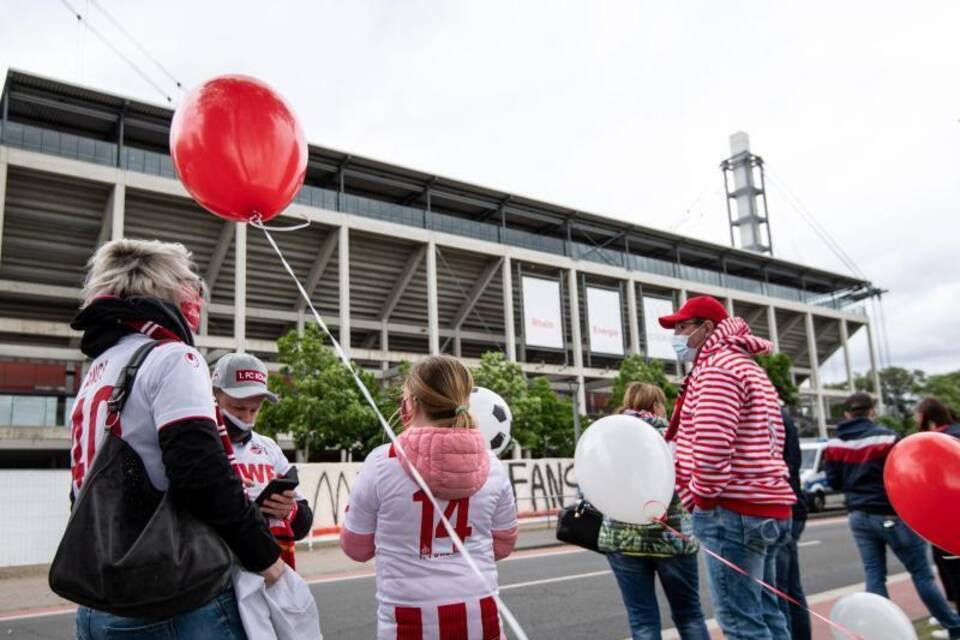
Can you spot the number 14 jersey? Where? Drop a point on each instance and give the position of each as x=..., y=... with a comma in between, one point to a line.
x=425, y=589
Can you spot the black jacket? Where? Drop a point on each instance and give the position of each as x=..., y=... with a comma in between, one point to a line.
x=201, y=478
x=793, y=457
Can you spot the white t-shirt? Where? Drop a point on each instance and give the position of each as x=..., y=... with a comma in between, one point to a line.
x=422, y=581
x=260, y=460
x=172, y=385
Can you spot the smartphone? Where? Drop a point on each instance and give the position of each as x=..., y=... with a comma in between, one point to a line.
x=287, y=482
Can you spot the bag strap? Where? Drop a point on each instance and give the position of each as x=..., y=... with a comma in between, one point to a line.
x=121, y=390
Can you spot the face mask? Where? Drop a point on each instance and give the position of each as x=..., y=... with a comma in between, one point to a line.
x=684, y=353
x=405, y=413
x=191, y=302
x=237, y=422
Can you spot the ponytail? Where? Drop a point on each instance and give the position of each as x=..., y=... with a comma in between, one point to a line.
x=442, y=386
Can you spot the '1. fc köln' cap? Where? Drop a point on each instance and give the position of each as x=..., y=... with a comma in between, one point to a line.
x=241, y=375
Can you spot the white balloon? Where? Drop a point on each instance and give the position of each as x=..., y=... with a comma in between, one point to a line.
x=493, y=416
x=872, y=617
x=625, y=469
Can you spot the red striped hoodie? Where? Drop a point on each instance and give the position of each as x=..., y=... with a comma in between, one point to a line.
x=730, y=437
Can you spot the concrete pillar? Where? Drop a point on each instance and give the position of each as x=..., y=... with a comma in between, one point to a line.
x=343, y=256
x=845, y=340
x=681, y=297
x=772, y=325
x=240, y=290
x=433, y=315
x=576, y=339
x=117, y=206
x=3, y=191
x=633, y=319
x=509, y=334
x=301, y=322
x=729, y=304
x=815, y=383
x=875, y=373
x=457, y=345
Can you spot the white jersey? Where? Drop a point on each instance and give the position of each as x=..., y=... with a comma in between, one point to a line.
x=425, y=589
x=172, y=385
x=260, y=460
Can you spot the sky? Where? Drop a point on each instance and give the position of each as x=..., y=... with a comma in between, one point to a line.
x=623, y=109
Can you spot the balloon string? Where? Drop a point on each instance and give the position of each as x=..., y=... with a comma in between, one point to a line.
x=454, y=538
x=257, y=221
x=663, y=521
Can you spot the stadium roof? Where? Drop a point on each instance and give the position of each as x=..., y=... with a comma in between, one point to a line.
x=39, y=101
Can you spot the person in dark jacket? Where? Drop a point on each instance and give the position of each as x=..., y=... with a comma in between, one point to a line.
x=933, y=415
x=136, y=291
x=788, y=561
x=854, y=465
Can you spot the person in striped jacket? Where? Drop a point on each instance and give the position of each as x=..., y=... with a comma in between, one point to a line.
x=729, y=438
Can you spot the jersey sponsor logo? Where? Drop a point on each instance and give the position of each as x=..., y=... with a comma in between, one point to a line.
x=257, y=472
x=251, y=375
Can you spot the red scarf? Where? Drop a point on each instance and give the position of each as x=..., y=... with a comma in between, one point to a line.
x=281, y=529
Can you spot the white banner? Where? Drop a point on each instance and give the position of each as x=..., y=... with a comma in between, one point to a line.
x=542, y=318
x=606, y=321
x=658, y=338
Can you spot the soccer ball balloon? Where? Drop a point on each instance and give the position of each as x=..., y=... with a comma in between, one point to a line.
x=493, y=417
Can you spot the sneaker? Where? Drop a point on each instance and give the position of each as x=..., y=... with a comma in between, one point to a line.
x=940, y=633
x=933, y=622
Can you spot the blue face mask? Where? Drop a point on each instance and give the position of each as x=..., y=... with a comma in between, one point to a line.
x=684, y=353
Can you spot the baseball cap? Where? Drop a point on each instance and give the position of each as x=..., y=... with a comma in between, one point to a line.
x=858, y=402
x=703, y=307
x=241, y=375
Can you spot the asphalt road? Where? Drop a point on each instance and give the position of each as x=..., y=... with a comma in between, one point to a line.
x=560, y=593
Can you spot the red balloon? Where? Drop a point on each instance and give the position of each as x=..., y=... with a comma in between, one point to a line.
x=238, y=148
x=922, y=477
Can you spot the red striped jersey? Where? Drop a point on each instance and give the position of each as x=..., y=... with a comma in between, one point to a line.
x=425, y=589
x=729, y=445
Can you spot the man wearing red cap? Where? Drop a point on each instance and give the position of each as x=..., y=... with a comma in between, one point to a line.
x=729, y=439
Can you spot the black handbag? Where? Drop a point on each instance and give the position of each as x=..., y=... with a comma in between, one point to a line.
x=127, y=549
x=579, y=524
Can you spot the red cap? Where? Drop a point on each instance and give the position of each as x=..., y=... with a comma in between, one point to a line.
x=703, y=307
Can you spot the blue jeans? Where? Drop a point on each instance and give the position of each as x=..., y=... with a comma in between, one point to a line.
x=744, y=609
x=218, y=619
x=679, y=577
x=873, y=534
x=788, y=581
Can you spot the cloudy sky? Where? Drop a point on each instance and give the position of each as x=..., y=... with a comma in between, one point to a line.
x=622, y=109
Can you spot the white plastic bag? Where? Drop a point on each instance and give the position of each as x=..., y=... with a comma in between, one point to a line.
x=284, y=611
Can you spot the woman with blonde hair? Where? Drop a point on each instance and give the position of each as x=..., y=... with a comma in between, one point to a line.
x=139, y=291
x=638, y=553
x=425, y=589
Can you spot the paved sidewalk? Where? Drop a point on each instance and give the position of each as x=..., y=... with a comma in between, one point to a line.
x=25, y=589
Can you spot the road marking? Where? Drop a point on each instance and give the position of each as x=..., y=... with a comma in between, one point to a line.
x=576, y=576
x=8, y=617
x=823, y=522
x=809, y=543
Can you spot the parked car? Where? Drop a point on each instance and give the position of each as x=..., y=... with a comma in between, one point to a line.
x=813, y=478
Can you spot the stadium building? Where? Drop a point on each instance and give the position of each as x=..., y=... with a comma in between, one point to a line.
x=400, y=262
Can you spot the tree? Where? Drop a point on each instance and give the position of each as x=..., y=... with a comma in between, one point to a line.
x=636, y=368
x=555, y=421
x=320, y=404
x=778, y=367
x=945, y=387
x=506, y=378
